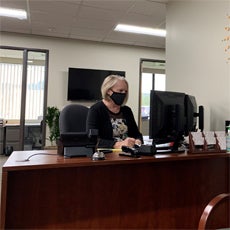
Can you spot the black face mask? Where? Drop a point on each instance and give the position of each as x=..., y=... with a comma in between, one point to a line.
x=118, y=98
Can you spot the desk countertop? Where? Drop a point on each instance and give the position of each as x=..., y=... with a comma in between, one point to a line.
x=167, y=191
x=50, y=159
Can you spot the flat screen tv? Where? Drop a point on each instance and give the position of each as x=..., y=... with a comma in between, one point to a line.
x=85, y=84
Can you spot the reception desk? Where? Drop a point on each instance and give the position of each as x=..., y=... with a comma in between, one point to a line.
x=160, y=192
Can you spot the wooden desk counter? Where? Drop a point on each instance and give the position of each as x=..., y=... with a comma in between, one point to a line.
x=164, y=191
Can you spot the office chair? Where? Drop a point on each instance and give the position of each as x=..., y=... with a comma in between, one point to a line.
x=75, y=139
x=73, y=118
x=216, y=213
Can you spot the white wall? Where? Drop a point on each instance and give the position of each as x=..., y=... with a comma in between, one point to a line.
x=66, y=53
x=195, y=56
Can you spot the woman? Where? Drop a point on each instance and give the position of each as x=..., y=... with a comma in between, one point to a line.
x=112, y=118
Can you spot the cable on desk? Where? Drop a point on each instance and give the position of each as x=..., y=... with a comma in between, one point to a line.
x=35, y=154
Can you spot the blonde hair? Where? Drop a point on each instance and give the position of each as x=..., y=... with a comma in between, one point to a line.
x=109, y=82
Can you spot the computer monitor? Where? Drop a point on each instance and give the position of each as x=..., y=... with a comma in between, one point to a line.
x=167, y=116
x=172, y=116
x=192, y=112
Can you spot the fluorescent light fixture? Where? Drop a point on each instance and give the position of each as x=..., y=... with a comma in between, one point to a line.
x=13, y=13
x=140, y=30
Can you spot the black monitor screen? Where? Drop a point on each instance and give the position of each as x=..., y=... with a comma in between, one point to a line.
x=85, y=84
x=167, y=115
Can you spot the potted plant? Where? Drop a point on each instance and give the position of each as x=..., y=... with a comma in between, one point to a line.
x=52, y=121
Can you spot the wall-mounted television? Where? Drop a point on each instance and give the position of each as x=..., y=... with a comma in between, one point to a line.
x=85, y=84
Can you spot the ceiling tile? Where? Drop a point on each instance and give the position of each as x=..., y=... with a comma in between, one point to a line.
x=88, y=19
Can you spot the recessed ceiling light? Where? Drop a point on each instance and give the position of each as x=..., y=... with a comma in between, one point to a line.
x=14, y=13
x=140, y=30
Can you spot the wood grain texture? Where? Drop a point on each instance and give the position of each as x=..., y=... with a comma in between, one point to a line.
x=160, y=192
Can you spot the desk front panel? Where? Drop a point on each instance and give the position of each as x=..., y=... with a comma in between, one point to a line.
x=161, y=194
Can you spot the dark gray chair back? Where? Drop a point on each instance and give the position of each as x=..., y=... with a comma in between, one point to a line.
x=73, y=118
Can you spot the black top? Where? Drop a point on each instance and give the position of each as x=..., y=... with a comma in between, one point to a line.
x=99, y=118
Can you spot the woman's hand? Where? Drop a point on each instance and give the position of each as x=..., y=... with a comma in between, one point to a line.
x=129, y=141
x=138, y=142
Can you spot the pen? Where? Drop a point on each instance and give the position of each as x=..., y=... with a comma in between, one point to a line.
x=112, y=150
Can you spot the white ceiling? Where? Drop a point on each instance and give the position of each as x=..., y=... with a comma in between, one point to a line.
x=92, y=20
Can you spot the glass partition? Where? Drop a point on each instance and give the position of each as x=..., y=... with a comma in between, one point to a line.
x=23, y=95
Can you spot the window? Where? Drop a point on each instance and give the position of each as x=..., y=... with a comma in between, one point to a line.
x=152, y=77
x=150, y=81
x=11, y=89
x=23, y=93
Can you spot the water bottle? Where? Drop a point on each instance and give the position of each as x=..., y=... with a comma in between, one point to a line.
x=228, y=139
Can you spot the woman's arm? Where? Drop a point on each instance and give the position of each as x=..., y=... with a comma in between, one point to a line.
x=133, y=130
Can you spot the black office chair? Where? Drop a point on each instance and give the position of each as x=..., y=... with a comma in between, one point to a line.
x=75, y=139
x=73, y=118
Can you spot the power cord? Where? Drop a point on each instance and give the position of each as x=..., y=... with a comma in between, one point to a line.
x=35, y=154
